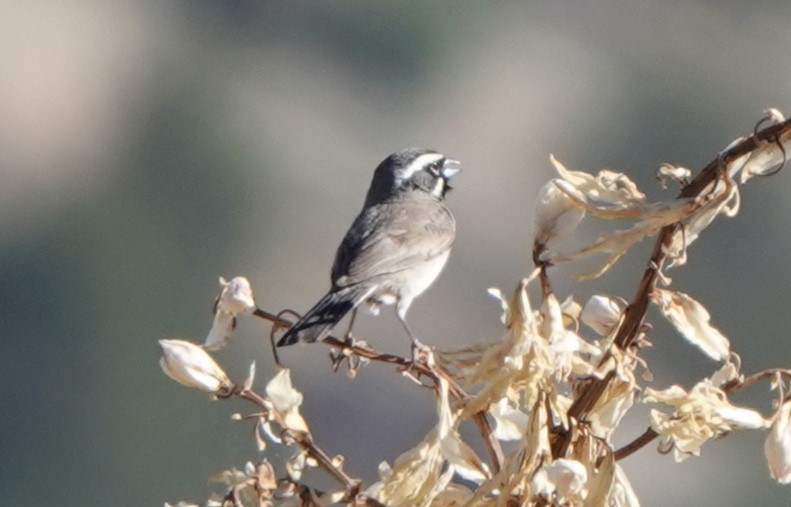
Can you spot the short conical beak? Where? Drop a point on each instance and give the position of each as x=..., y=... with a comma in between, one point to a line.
x=450, y=168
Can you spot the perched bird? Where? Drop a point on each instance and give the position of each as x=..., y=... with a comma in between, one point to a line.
x=395, y=248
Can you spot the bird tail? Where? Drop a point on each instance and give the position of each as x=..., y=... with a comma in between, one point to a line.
x=319, y=321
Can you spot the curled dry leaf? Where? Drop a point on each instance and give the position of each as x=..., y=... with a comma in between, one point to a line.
x=691, y=319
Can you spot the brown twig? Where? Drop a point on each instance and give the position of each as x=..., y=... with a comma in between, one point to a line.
x=634, y=315
x=492, y=445
x=305, y=441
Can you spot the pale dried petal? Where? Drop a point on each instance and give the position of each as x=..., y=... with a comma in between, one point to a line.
x=270, y=432
x=332, y=497
x=678, y=174
x=691, y=319
x=463, y=459
x=606, y=187
x=621, y=492
x=415, y=475
x=556, y=216
x=286, y=400
x=296, y=465
x=564, y=478
x=653, y=218
x=777, y=445
x=496, y=293
x=602, y=314
x=190, y=365
x=510, y=423
x=248, y=382
x=743, y=418
x=459, y=455
x=774, y=116
x=571, y=309
x=728, y=372
x=222, y=327
x=454, y=495
x=236, y=296
x=614, y=403
x=282, y=393
x=260, y=431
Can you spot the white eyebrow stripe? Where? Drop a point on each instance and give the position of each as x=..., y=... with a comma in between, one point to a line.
x=420, y=163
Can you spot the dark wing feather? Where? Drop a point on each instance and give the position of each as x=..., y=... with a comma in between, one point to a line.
x=400, y=234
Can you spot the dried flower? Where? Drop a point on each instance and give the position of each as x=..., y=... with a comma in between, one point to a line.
x=777, y=445
x=236, y=298
x=190, y=365
x=701, y=413
x=556, y=216
x=691, y=319
x=286, y=400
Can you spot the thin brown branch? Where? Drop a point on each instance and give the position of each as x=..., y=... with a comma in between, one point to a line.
x=736, y=384
x=493, y=448
x=271, y=317
x=634, y=315
x=492, y=445
x=305, y=441
x=635, y=445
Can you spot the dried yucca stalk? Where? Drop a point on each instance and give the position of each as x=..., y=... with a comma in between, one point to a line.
x=557, y=383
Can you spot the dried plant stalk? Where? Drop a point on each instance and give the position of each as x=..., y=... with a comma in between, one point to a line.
x=555, y=386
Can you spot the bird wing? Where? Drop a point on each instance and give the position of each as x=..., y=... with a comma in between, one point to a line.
x=391, y=237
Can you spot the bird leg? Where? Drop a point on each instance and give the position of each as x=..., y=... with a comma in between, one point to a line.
x=348, y=336
x=418, y=348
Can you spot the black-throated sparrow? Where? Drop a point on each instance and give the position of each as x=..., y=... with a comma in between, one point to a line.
x=395, y=248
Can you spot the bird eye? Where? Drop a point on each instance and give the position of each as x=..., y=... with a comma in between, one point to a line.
x=435, y=167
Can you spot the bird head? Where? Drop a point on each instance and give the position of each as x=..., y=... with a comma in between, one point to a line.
x=412, y=169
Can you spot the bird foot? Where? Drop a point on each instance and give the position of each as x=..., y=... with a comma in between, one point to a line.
x=421, y=354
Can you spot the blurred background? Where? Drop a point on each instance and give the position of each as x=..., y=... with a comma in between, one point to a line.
x=150, y=147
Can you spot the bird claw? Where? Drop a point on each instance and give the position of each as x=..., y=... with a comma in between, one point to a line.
x=346, y=354
x=421, y=354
